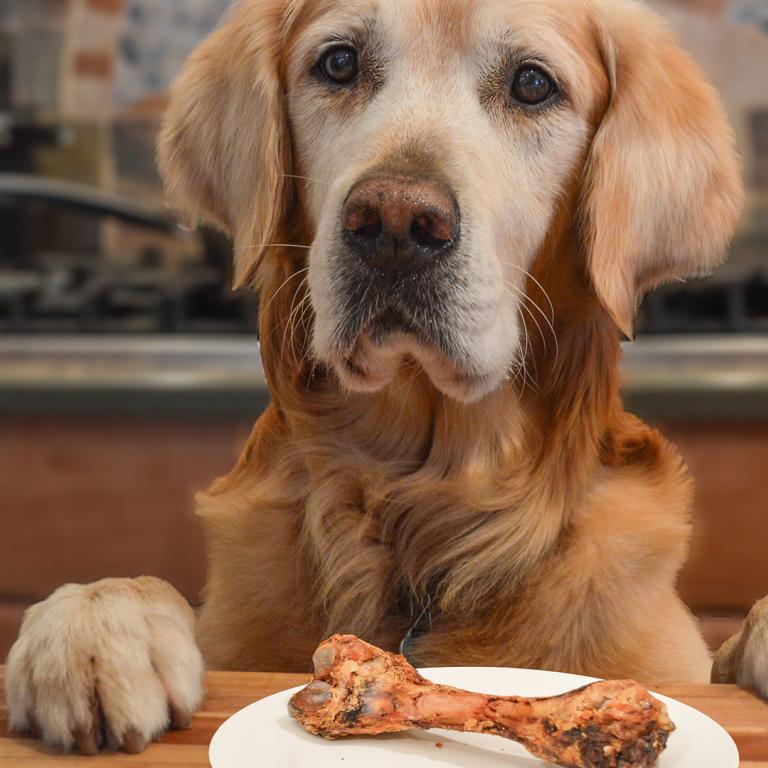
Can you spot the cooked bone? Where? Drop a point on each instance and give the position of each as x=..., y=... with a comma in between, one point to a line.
x=359, y=689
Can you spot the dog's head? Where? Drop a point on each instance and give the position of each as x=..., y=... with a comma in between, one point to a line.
x=427, y=149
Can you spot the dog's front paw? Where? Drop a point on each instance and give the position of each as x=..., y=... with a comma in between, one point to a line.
x=753, y=669
x=744, y=658
x=105, y=666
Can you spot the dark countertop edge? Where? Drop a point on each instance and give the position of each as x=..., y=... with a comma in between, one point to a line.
x=723, y=378
x=699, y=407
x=213, y=404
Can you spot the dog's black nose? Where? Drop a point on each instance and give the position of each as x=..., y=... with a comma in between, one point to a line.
x=400, y=223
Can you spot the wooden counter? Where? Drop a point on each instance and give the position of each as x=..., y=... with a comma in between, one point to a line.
x=740, y=712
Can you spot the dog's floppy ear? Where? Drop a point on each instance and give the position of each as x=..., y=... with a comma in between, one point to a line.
x=663, y=184
x=223, y=150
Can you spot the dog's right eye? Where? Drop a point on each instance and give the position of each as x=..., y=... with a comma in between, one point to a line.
x=340, y=64
x=532, y=86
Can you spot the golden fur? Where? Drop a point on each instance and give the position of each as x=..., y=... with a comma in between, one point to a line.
x=546, y=525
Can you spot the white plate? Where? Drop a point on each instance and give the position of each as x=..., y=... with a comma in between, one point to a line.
x=263, y=735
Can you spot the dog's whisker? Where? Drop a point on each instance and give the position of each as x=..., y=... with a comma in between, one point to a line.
x=540, y=286
x=524, y=306
x=304, y=178
x=310, y=353
x=293, y=312
x=549, y=320
x=524, y=296
x=528, y=378
x=285, y=282
x=288, y=324
x=518, y=374
x=549, y=323
x=272, y=245
x=522, y=365
x=296, y=321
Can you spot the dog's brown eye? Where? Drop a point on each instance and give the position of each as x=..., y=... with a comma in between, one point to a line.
x=532, y=86
x=340, y=64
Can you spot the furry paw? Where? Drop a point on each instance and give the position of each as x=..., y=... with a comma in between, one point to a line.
x=744, y=658
x=107, y=665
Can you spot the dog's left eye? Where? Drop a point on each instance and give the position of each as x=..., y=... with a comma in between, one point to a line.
x=340, y=64
x=532, y=86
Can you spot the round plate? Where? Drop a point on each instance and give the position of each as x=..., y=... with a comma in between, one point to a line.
x=264, y=734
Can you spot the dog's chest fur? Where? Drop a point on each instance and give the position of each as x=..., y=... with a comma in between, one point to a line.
x=321, y=539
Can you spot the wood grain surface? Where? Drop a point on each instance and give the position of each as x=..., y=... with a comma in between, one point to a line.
x=740, y=712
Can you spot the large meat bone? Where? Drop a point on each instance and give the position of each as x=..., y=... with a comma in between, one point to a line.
x=359, y=689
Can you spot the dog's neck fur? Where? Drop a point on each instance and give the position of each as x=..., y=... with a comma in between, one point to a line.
x=407, y=477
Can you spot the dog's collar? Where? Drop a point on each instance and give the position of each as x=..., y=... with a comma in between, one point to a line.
x=422, y=615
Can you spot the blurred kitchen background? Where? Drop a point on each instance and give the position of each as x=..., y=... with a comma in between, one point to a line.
x=130, y=374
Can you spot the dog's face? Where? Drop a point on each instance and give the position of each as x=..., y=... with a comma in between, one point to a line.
x=437, y=139
x=430, y=144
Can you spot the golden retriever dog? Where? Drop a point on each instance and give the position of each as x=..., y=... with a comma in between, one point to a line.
x=451, y=209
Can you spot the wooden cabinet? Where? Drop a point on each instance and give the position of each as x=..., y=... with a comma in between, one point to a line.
x=85, y=498
x=88, y=497
x=728, y=567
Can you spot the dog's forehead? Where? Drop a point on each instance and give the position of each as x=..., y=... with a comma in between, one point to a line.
x=457, y=24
